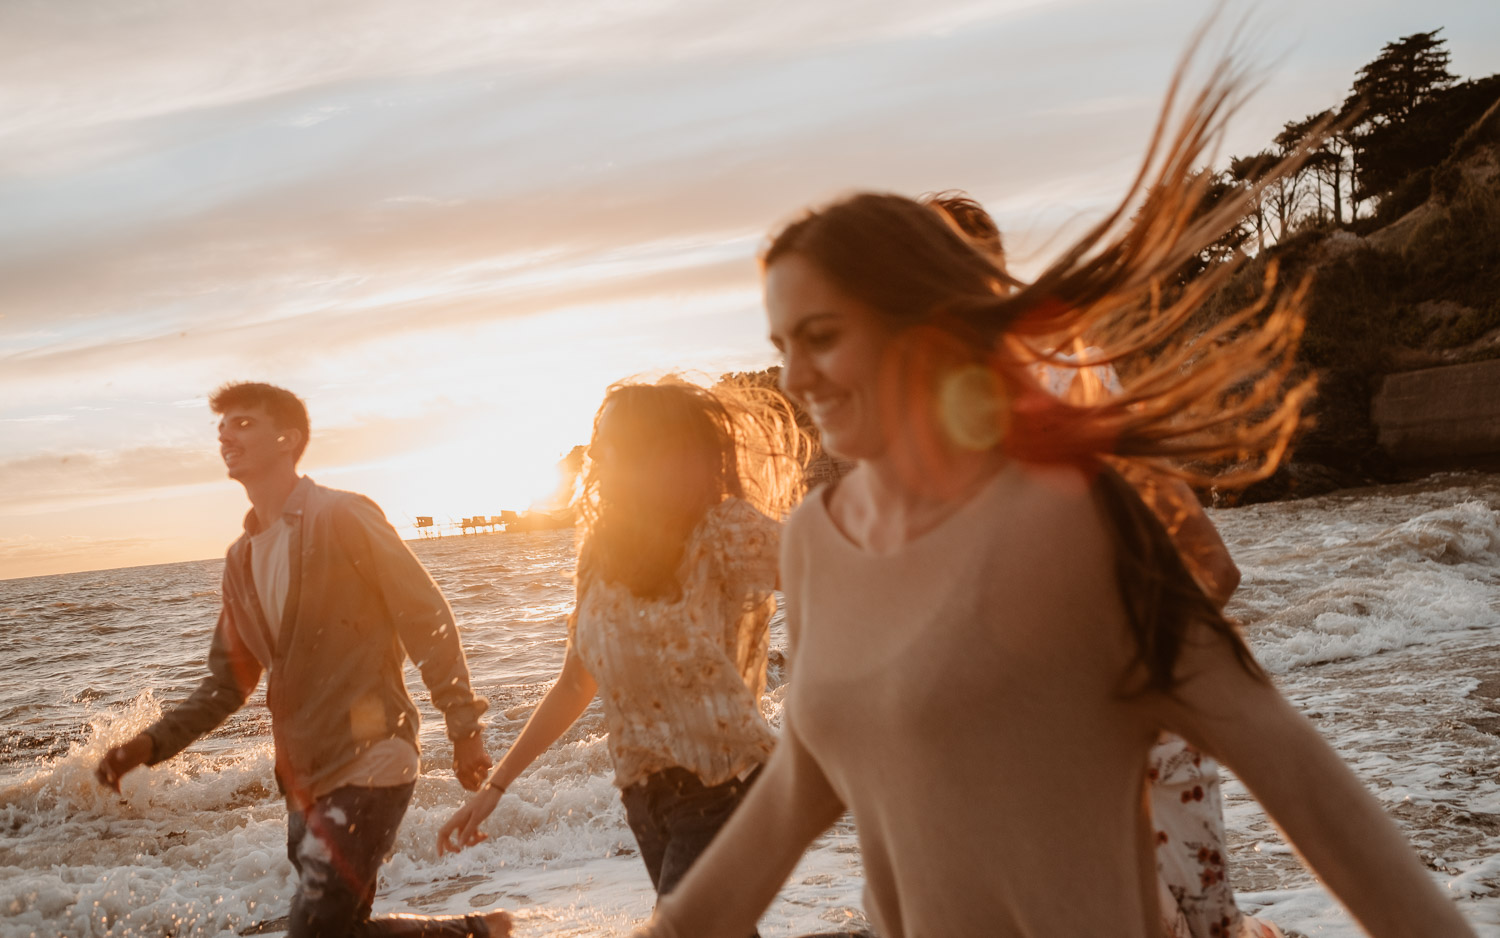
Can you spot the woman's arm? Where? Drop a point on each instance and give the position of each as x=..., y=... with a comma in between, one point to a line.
x=731, y=884
x=564, y=702
x=1334, y=822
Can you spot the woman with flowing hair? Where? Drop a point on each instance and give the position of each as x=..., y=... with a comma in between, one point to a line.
x=1195, y=897
x=989, y=627
x=679, y=530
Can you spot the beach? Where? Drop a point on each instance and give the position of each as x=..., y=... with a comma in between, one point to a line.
x=1377, y=611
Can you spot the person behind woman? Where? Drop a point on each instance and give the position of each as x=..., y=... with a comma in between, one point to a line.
x=989, y=629
x=676, y=568
x=1195, y=897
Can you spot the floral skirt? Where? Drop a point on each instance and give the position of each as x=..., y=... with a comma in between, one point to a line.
x=1187, y=811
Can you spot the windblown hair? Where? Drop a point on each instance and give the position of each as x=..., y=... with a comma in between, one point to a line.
x=1215, y=404
x=688, y=448
x=285, y=408
x=974, y=223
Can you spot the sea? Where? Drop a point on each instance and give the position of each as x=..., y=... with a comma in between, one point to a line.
x=1376, y=610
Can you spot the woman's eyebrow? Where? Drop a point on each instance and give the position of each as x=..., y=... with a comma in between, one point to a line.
x=809, y=319
x=801, y=326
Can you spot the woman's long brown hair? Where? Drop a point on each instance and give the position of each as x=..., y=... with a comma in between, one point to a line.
x=731, y=440
x=1215, y=404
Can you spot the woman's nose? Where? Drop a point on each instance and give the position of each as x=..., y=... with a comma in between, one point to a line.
x=796, y=373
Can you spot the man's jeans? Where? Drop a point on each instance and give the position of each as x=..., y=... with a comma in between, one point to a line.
x=337, y=848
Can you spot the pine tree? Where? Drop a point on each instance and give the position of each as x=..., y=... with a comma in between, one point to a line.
x=1407, y=72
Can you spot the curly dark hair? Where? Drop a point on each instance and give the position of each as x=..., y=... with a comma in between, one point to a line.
x=285, y=408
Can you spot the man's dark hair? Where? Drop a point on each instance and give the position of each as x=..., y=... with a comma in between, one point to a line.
x=286, y=409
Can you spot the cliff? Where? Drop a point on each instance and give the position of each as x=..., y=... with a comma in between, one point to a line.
x=1419, y=292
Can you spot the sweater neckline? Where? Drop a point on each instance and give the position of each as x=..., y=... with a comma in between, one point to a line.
x=956, y=520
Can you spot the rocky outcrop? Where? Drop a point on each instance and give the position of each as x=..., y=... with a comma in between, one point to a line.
x=1403, y=333
x=1439, y=416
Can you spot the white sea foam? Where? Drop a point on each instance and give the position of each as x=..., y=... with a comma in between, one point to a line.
x=1378, y=612
x=1344, y=587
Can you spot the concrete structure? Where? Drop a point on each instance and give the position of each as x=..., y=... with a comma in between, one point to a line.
x=1440, y=416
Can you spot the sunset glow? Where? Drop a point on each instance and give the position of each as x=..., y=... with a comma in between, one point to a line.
x=450, y=231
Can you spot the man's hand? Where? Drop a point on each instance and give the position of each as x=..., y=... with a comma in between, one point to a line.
x=470, y=762
x=121, y=759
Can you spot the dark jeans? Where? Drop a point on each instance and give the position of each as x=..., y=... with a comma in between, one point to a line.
x=337, y=848
x=674, y=817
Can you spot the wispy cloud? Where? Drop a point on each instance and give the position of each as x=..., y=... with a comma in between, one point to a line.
x=93, y=63
x=39, y=418
x=51, y=482
x=429, y=218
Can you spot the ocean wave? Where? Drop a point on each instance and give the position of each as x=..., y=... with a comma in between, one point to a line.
x=1348, y=592
x=197, y=845
x=1467, y=533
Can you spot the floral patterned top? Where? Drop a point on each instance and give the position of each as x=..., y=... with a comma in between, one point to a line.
x=1194, y=894
x=681, y=679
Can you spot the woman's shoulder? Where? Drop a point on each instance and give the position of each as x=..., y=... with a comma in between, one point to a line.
x=1055, y=528
x=1042, y=503
x=735, y=515
x=734, y=526
x=1055, y=486
x=811, y=512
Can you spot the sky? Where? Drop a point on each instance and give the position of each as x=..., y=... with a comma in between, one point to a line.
x=449, y=227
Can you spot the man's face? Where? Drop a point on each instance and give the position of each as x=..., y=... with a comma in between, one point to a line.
x=251, y=445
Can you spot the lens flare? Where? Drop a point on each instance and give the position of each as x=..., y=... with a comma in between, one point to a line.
x=972, y=407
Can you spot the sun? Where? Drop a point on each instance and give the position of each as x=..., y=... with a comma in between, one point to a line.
x=507, y=456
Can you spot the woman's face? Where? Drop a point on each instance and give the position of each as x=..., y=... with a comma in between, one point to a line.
x=640, y=474
x=833, y=347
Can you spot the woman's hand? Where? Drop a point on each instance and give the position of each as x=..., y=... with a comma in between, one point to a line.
x=562, y=704
x=462, y=829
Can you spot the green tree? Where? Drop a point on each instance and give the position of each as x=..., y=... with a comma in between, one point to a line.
x=1397, y=158
x=1408, y=73
x=1243, y=172
x=1219, y=186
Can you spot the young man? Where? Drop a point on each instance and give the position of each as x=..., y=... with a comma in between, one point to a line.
x=321, y=593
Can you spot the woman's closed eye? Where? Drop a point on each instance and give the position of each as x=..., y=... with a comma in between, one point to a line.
x=820, y=340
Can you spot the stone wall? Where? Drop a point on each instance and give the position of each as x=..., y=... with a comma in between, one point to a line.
x=1440, y=416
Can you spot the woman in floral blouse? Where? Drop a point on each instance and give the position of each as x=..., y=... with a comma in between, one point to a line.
x=676, y=567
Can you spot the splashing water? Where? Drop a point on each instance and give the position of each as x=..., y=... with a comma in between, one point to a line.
x=1377, y=610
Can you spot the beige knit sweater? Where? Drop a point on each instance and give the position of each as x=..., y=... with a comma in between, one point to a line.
x=957, y=697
